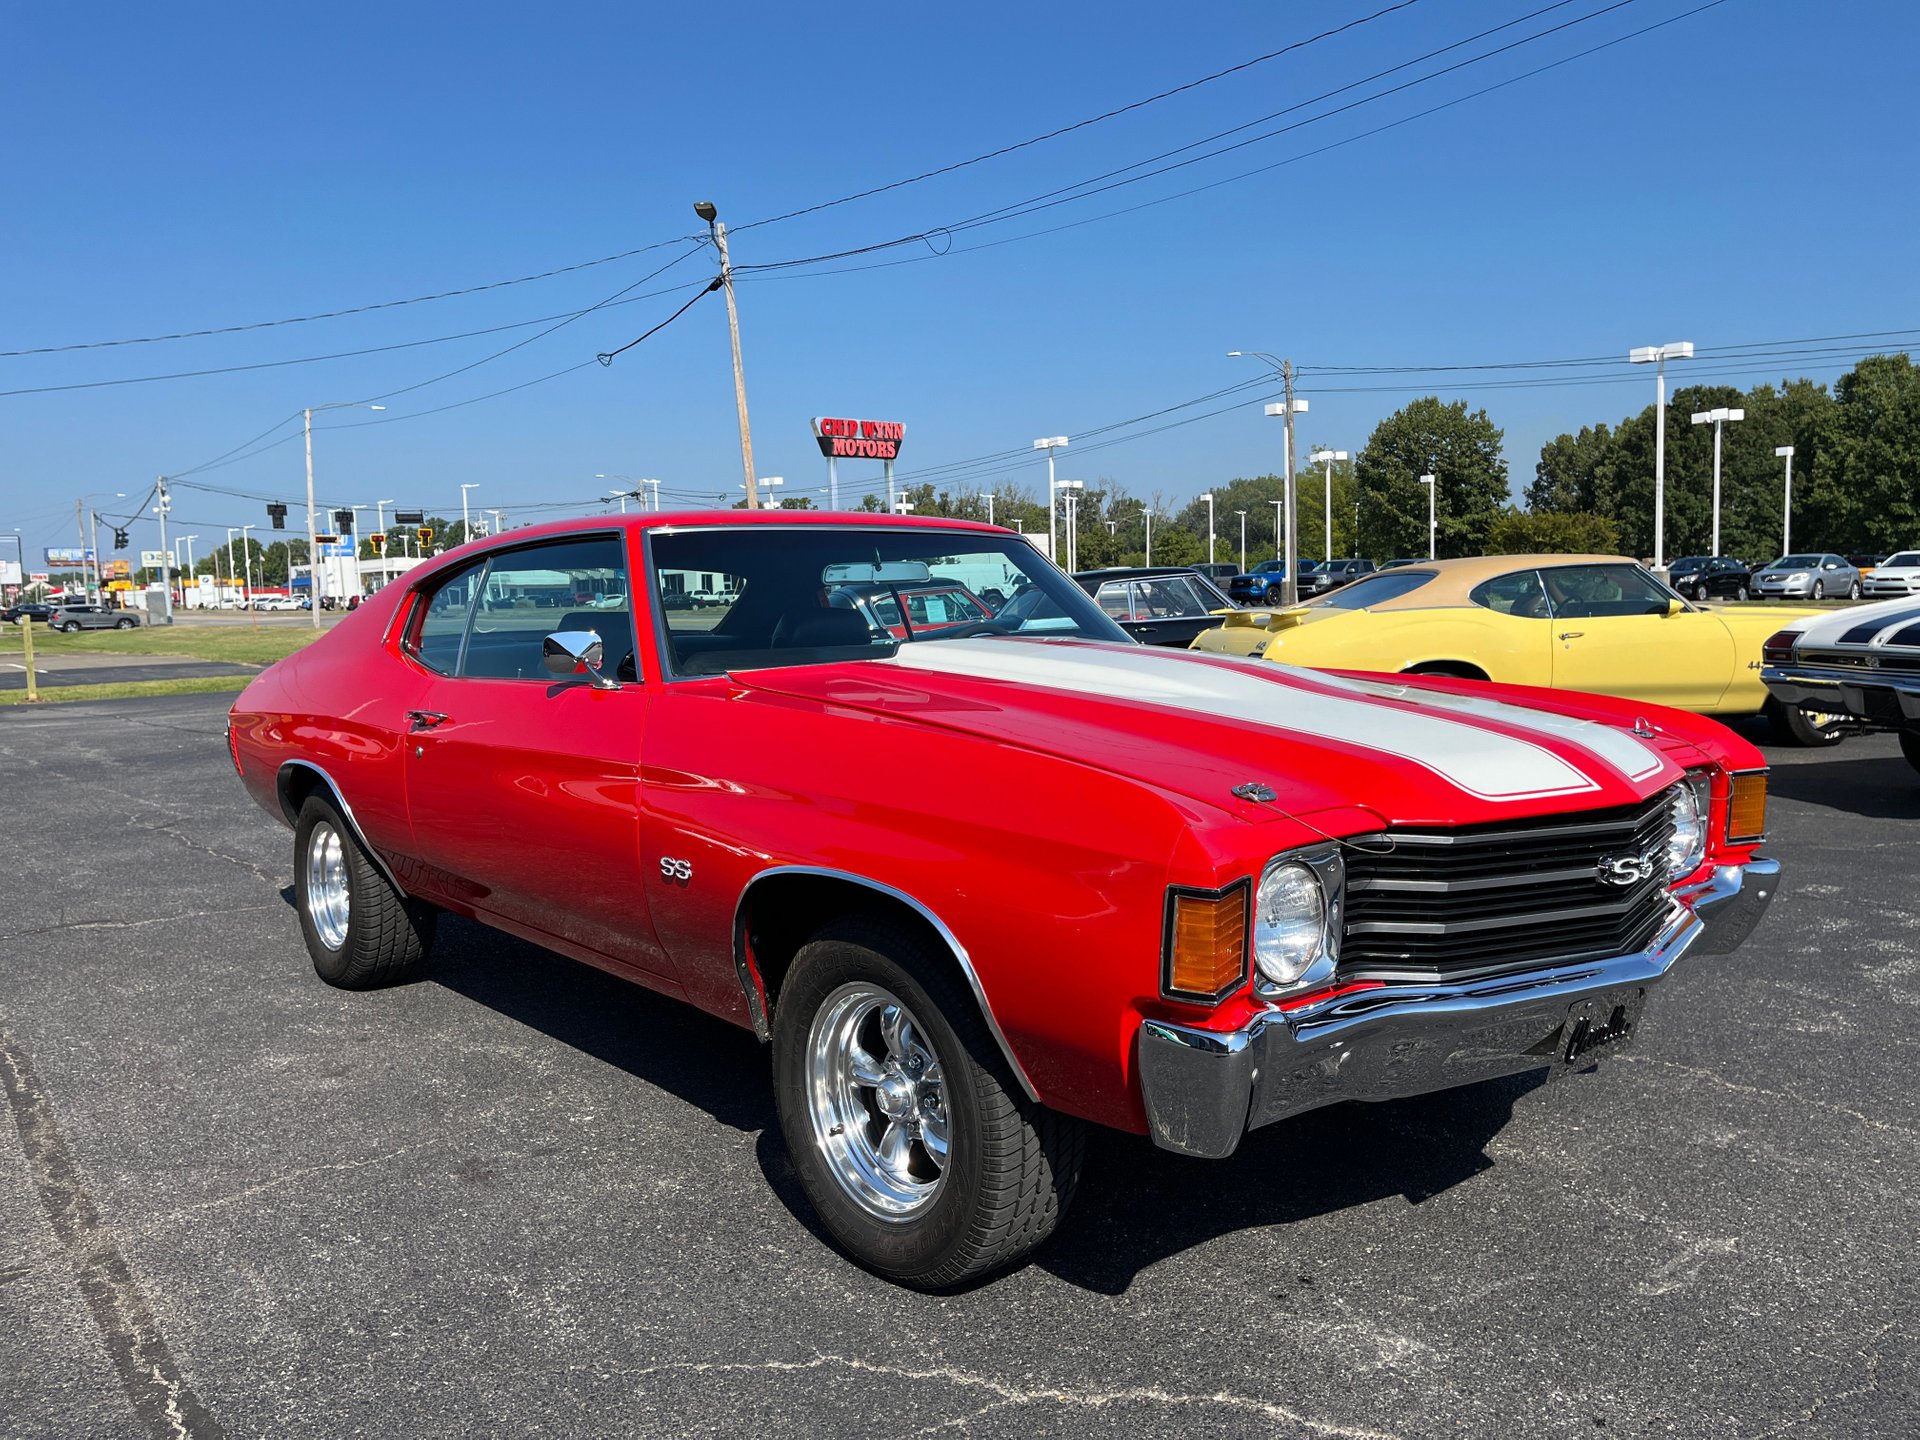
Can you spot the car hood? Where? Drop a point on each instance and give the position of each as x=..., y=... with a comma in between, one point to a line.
x=1894, y=623
x=1199, y=725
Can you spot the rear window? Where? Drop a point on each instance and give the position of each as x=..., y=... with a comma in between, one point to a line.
x=1376, y=589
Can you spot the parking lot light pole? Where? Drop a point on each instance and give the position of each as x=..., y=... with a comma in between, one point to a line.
x=1327, y=458
x=1071, y=489
x=1243, y=540
x=1717, y=417
x=1208, y=497
x=246, y=554
x=1432, y=482
x=1785, y=452
x=1146, y=519
x=1279, y=526
x=1050, y=444
x=1657, y=356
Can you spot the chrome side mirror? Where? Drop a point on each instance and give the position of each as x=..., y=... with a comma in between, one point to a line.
x=569, y=652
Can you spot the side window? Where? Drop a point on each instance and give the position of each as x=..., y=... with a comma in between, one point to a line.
x=1171, y=598
x=1585, y=592
x=438, y=628
x=1112, y=598
x=562, y=585
x=1519, y=595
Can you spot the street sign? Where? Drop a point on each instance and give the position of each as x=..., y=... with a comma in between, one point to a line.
x=326, y=539
x=409, y=517
x=70, y=558
x=425, y=532
x=153, y=559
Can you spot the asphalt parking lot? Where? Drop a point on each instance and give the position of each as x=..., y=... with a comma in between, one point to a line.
x=62, y=670
x=524, y=1198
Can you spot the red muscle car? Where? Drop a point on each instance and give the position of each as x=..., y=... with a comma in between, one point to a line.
x=984, y=883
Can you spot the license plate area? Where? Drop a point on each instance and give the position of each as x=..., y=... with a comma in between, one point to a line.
x=1880, y=703
x=1600, y=1023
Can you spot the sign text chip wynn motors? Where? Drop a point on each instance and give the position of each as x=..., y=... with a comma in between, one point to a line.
x=859, y=439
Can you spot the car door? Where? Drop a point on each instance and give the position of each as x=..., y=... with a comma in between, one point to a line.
x=1615, y=633
x=1168, y=610
x=523, y=787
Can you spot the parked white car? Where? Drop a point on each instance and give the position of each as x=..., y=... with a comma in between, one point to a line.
x=1895, y=578
x=1862, y=662
x=276, y=602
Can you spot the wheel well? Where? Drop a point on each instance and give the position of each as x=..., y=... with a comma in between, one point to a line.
x=781, y=912
x=295, y=784
x=1457, y=669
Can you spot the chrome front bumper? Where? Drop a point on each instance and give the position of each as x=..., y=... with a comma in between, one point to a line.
x=1897, y=691
x=1204, y=1089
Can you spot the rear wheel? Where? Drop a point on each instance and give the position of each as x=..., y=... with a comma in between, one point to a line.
x=1794, y=726
x=361, y=932
x=1745, y=594
x=1457, y=669
x=909, y=1133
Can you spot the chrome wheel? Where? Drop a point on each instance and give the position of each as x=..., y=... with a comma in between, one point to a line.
x=877, y=1100
x=328, y=903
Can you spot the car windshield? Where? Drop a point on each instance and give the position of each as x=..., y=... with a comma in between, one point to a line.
x=1375, y=589
x=1906, y=559
x=1688, y=563
x=808, y=595
x=1795, y=562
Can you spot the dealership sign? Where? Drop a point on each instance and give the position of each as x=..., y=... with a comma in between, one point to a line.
x=859, y=439
x=69, y=559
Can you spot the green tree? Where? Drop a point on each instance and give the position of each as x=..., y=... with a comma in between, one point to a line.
x=1552, y=532
x=1430, y=436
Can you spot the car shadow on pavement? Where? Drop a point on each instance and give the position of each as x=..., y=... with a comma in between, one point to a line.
x=1139, y=1204
x=1873, y=787
x=667, y=1043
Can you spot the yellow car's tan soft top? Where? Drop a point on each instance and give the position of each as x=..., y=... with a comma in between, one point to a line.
x=1454, y=579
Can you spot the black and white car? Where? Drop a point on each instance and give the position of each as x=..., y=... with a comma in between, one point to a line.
x=1864, y=662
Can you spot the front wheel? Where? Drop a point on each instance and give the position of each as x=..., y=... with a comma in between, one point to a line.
x=361, y=932
x=1794, y=726
x=1854, y=593
x=1819, y=589
x=909, y=1134
x=1745, y=594
x=125, y=624
x=1275, y=595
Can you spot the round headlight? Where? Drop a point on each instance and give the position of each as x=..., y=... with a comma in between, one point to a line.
x=1688, y=845
x=1289, y=922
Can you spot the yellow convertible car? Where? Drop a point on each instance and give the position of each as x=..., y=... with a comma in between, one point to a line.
x=1567, y=622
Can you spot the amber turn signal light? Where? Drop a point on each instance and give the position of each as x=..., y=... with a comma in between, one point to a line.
x=1747, y=807
x=1206, y=942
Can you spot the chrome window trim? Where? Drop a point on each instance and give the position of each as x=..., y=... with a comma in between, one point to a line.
x=346, y=812
x=749, y=980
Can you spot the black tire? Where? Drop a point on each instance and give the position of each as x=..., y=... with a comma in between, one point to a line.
x=1819, y=589
x=1012, y=1165
x=387, y=936
x=1274, y=595
x=1453, y=669
x=1910, y=747
x=1792, y=726
x=125, y=624
x=1745, y=594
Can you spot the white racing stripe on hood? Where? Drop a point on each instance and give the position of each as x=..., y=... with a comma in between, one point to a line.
x=1480, y=761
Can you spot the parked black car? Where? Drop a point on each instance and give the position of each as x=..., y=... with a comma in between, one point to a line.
x=1331, y=575
x=1701, y=577
x=1158, y=605
x=1261, y=585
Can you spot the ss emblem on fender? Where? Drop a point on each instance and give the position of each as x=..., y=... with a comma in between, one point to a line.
x=676, y=870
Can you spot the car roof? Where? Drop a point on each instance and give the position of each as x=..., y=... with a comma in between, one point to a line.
x=1454, y=579
x=1134, y=572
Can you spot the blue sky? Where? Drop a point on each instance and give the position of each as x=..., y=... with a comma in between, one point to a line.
x=1742, y=175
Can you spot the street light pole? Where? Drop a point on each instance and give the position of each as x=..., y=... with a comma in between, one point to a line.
x=1657, y=356
x=1050, y=444
x=313, y=534
x=466, y=525
x=1208, y=497
x=706, y=211
x=1146, y=518
x=1327, y=458
x=246, y=554
x=1717, y=417
x=1432, y=482
x=1285, y=410
x=1071, y=489
x=1785, y=452
x=1243, y=540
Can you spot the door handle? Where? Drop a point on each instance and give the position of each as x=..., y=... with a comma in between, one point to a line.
x=425, y=719
x=1564, y=635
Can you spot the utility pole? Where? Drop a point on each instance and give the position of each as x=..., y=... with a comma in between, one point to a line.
x=80, y=525
x=706, y=211
x=166, y=571
x=99, y=580
x=313, y=542
x=1292, y=581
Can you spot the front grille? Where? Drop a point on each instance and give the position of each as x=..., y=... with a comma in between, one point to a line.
x=1481, y=899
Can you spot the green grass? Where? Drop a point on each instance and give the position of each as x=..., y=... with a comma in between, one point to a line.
x=197, y=685
x=239, y=643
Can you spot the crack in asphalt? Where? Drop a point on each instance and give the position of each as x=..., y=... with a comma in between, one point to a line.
x=158, y=1393
x=129, y=924
x=1870, y=1121
x=1006, y=1395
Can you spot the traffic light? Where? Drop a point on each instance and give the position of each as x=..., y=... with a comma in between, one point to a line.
x=379, y=543
x=119, y=539
x=343, y=521
x=277, y=512
x=425, y=532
